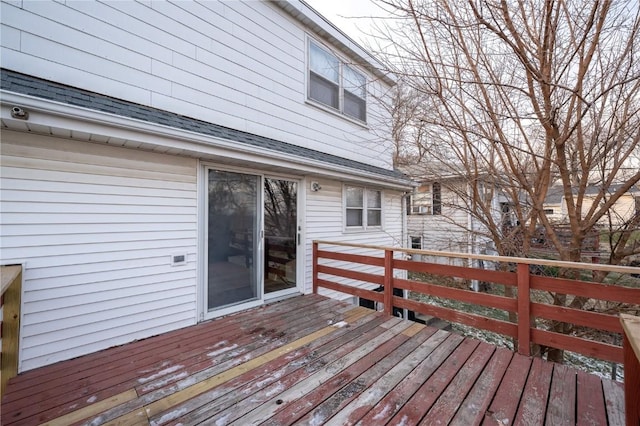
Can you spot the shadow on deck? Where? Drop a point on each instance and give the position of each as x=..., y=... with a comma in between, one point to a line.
x=310, y=360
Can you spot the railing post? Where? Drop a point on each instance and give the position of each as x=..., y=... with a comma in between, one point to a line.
x=388, y=282
x=524, y=310
x=631, y=353
x=315, y=267
x=11, y=279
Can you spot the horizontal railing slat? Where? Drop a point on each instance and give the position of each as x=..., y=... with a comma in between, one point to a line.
x=594, y=320
x=489, y=300
x=608, y=292
x=354, y=291
x=586, y=347
x=348, y=257
x=478, y=321
x=498, y=277
x=354, y=275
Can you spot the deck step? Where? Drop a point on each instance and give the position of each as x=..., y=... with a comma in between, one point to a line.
x=434, y=322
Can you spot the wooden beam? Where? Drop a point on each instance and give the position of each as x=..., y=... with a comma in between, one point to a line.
x=315, y=267
x=12, y=299
x=7, y=275
x=388, y=282
x=524, y=314
x=631, y=354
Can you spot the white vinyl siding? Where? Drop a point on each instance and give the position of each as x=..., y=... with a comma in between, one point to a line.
x=95, y=227
x=324, y=212
x=238, y=64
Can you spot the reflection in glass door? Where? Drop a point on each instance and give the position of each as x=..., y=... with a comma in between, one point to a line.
x=280, y=234
x=232, y=241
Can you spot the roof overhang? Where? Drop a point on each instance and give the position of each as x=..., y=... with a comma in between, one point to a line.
x=55, y=118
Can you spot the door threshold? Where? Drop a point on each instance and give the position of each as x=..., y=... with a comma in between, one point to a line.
x=281, y=294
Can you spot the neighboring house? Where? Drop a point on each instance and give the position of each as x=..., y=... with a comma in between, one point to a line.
x=167, y=163
x=438, y=218
x=628, y=205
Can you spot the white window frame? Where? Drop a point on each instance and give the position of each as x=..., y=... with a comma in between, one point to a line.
x=365, y=226
x=342, y=64
x=427, y=201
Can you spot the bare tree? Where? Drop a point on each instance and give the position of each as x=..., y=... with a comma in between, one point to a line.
x=528, y=94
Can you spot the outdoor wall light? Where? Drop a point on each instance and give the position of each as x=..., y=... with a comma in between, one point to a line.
x=315, y=186
x=19, y=113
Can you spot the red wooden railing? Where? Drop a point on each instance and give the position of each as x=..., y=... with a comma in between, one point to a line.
x=335, y=263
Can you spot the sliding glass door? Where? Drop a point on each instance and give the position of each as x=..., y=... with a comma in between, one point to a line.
x=233, y=238
x=280, y=234
x=252, y=238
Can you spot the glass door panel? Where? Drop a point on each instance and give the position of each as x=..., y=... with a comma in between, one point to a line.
x=232, y=241
x=280, y=232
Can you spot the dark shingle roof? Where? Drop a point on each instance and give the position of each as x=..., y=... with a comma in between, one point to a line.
x=32, y=86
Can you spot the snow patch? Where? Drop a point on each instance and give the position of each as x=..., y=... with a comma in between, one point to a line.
x=340, y=324
x=404, y=421
x=222, y=420
x=149, y=370
x=160, y=383
x=317, y=419
x=268, y=379
x=222, y=350
x=371, y=396
x=160, y=373
x=92, y=399
x=171, y=415
x=384, y=413
x=279, y=387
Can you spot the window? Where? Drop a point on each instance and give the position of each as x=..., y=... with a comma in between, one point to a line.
x=335, y=84
x=437, y=198
x=363, y=207
x=416, y=243
x=548, y=211
x=427, y=199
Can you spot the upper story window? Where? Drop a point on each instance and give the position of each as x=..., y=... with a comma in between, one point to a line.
x=427, y=199
x=336, y=84
x=363, y=207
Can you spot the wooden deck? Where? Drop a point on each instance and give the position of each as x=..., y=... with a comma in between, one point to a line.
x=310, y=360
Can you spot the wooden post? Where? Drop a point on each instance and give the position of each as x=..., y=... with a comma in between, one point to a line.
x=524, y=310
x=315, y=267
x=388, y=282
x=631, y=354
x=11, y=277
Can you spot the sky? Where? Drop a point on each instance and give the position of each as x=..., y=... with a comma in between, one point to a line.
x=344, y=14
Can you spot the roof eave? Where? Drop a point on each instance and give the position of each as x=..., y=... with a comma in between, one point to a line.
x=48, y=112
x=318, y=24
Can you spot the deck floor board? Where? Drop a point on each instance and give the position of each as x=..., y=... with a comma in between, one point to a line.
x=309, y=360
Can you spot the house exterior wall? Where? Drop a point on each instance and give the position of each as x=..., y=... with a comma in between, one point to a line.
x=442, y=232
x=325, y=221
x=621, y=211
x=453, y=230
x=94, y=227
x=236, y=64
